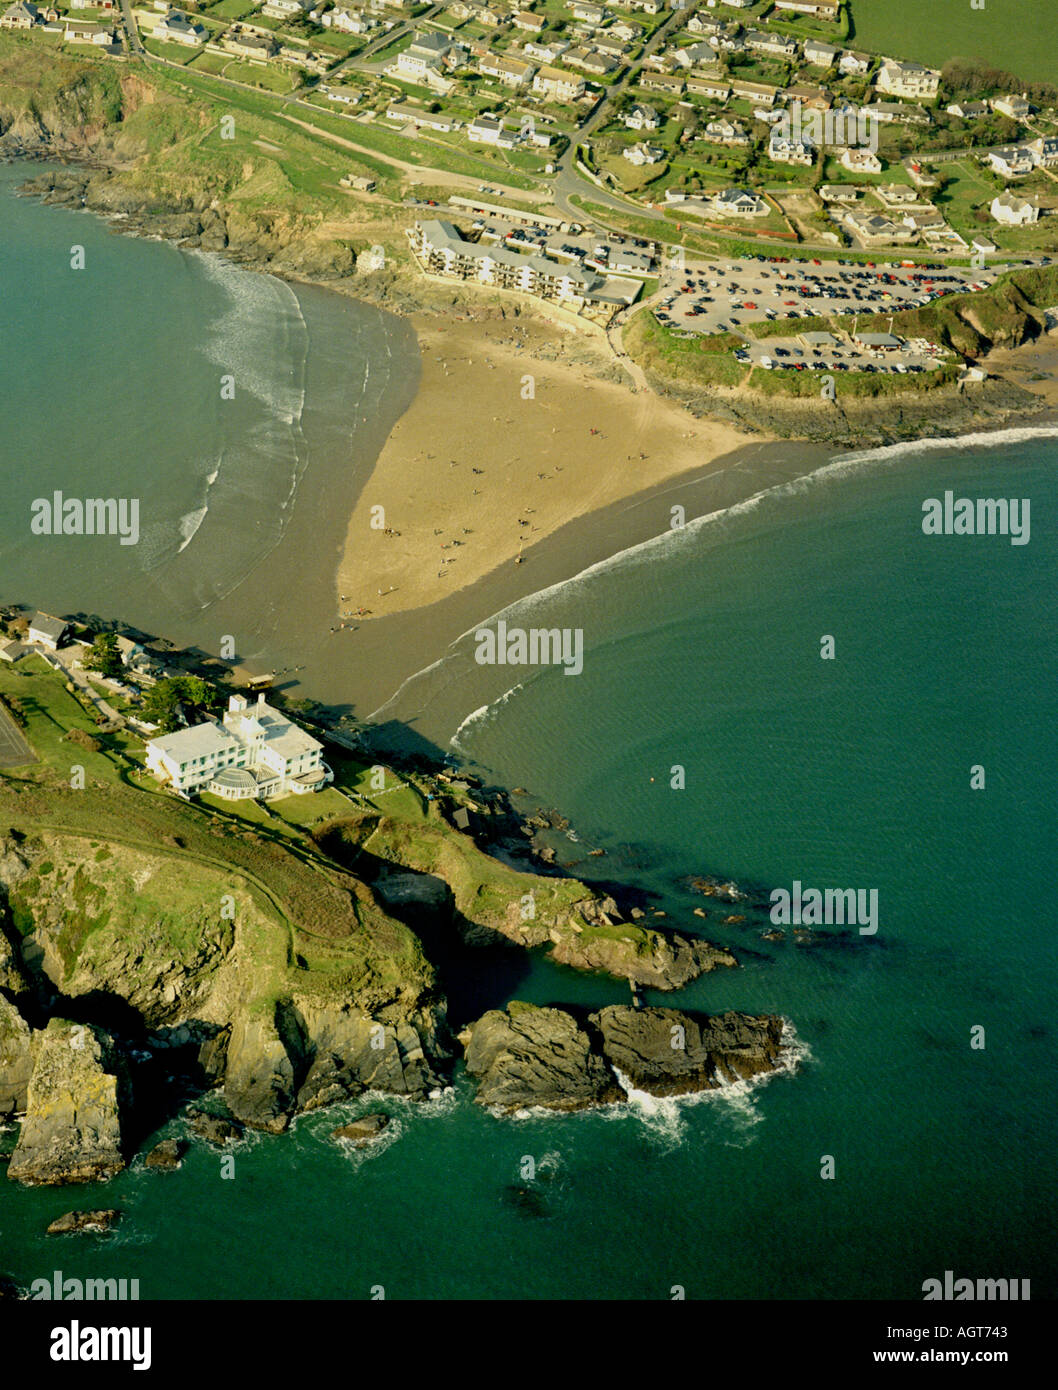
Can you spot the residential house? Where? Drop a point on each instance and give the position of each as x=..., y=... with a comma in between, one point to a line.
x=815, y=98
x=727, y=133
x=491, y=130
x=1045, y=151
x=762, y=93
x=819, y=9
x=872, y=229
x=642, y=118
x=255, y=753
x=1017, y=108
x=175, y=27
x=20, y=16
x=839, y=193
x=556, y=85
x=968, y=110
x=785, y=150
x=46, y=631
x=510, y=72
x=1012, y=210
x=643, y=153
x=820, y=55
x=84, y=31
x=246, y=45
x=715, y=88
x=662, y=82
x=545, y=52
x=588, y=11
x=693, y=55
x=861, y=161
x=347, y=21
x=778, y=45
x=896, y=194
x=525, y=19
x=903, y=112
x=907, y=80
x=852, y=64
x=416, y=115
x=286, y=9
x=598, y=64
x=1012, y=161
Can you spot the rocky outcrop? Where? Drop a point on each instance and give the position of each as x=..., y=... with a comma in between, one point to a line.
x=363, y=1131
x=73, y=1126
x=649, y=959
x=347, y=1052
x=259, y=1083
x=165, y=1156
x=75, y=1221
x=669, y=1053
x=16, y=1059
x=528, y=1056
x=215, y=1129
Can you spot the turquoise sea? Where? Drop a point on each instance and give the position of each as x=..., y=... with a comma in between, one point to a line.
x=702, y=650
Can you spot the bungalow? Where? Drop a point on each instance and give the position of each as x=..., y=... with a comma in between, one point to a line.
x=1017, y=108
x=509, y=72
x=968, y=110
x=904, y=112
x=93, y=4
x=872, y=229
x=255, y=753
x=820, y=9
x=643, y=153
x=525, y=19
x=692, y=55
x=815, y=98
x=84, y=31
x=1014, y=211
x=46, y=631
x=177, y=28
x=546, y=52
x=662, y=82
x=839, y=193
x=860, y=161
x=763, y=93
x=491, y=130
x=738, y=202
x=780, y=45
x=881, y=342
x=907, y=80
x=556, y=85
x=895, y=194
x=1012, y=161
x=416, y=115
x=248, y=45
x=586, y=10
x=598, y=64
x=626, y=30
x=715, y=88
x=20, y=16
x=12, y=651
x=642, y=118
x=285, y=9
x=820, y=55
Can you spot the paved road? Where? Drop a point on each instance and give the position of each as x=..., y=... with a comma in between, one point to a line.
x=131, y=32
x=14, y=750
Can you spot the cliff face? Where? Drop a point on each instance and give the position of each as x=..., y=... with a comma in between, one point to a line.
x=72, y=1129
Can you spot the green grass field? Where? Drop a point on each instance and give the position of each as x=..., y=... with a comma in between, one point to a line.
x=1018, y=35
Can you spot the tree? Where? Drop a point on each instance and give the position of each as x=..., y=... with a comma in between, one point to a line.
x=103, y=655
x=161, y=704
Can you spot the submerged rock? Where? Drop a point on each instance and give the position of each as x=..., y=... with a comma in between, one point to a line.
x=74, y=1221
x=528, y=1056
x=72, y=1130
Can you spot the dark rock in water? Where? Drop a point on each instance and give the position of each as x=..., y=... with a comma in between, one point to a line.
x=74, y=1221
x=525, y=1201
x=363, y=1130
x=8, y=1289
x=532, y=1056
x=213, y=1128
x=351, y=1053
x=77, y=1093
x=669, y=1053
x=166, y=1155
x=717, y=888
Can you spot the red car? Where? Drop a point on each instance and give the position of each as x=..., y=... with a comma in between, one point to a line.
x=789, y=301
x=749, y=306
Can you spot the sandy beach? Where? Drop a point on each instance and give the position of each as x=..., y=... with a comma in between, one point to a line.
x=512, y=435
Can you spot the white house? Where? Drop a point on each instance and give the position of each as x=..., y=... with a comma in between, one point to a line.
x=1014, y=211
x=821, y=9
x=491, y=130
x=852, y=64
x=256, y=753
x=860, y=161
x=907, y=80
x=558, y=85
x=820, y=55
x=642, y=118
x=285, y=9
x=20, y=16
x=643, y=153
x=1017, y=108
x=785, y=150
x=1012, y=161
x=177, y=28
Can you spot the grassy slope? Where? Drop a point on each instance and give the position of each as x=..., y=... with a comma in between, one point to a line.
x=1018, y=35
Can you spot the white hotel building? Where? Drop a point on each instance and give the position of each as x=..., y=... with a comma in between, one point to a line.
x=256, y=753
